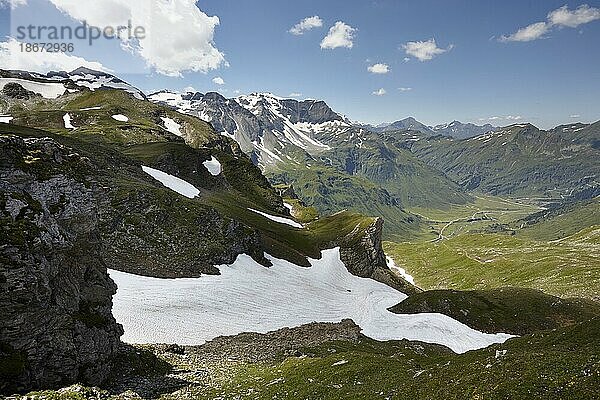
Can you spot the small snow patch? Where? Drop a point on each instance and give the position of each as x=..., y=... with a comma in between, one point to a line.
x=392, y=265
x=172, y=182
x=90, y=108
x=280, y=220
x=120, y=117
x=172, y=126
x=5, y=119
x=288, y=206
x=67, y=119
x=213, y=166
x=500, y=354
x=342, y=362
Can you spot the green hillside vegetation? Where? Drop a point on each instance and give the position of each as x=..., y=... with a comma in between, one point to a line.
x=561, y=222
x=553, y=364
x=510, y=310
x=330, y=191
x=519, y=160
x=118, y=150
x=570, y=268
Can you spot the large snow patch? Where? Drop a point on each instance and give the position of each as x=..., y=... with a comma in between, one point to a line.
x=249, y=297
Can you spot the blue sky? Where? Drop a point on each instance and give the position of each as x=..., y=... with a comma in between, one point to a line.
x=552, y=78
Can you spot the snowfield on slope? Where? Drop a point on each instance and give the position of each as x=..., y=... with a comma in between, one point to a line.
x=48, y=90
x=392, y=265
x=172, y=182
x=249, y=297
x=281, y=220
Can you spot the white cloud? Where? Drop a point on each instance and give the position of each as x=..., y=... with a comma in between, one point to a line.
x=379, y=68
x=178, y=35
x=406, y=59
x=404, y=89
x=295, y=94
x=218, y=80
x=561, y=17
x=188, y=89
x=581, y=15
x=527, y=34
x=575, y=116
x=12, y=3
x=306, y=25
x=340, y=35
x=11, y=57
x=379, y=92
x=237, y=91
x=502, y=118
x=424, y=50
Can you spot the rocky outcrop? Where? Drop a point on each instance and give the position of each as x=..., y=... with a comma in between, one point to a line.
x=365, y=258
x=16, y=91
x=309, y=111
x=55, y=293
x=257, y=347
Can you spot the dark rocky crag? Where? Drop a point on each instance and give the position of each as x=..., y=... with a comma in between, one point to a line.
x=366, y=258
x=56, y=295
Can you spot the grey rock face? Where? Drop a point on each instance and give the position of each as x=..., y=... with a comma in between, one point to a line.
x=310, y=111
x=367, y=259
x=262, y=124
x=16, y=91
x=366, y=256
x=55, y=293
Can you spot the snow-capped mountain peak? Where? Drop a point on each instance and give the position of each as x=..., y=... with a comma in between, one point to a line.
x=267, y=126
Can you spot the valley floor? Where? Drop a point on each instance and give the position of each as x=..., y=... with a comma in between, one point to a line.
x=486, y=245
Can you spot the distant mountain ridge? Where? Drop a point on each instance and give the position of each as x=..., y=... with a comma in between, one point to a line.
x=454, y=129
x=76, y=80
x=266, y=126
x=520, y=160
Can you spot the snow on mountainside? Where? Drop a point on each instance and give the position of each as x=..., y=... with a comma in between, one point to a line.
x=54, y=84
x=267, y=127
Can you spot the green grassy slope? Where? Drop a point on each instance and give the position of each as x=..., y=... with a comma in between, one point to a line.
x=330, y=191
x=561, y=222
x=569, y=268
x=117, y=151
x=509, y=310
x=537, y=366
x=555, y=364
